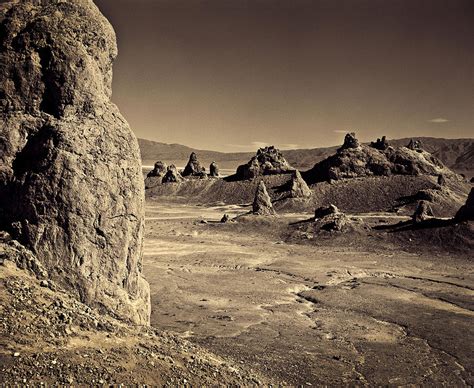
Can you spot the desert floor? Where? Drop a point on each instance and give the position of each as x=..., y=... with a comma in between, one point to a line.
x=305, y=313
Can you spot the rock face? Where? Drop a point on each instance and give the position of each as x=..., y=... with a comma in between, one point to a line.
x=353, y=161
x=299, y=188
x=262, y=203
x=71, y=187
x=466, y=212
x=193, y=168
x=214, y=170
x=422, y=212
x=172, y=175
x=268, y=160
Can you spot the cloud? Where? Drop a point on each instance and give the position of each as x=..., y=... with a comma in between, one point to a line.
x=344, y=131
x=438, y=120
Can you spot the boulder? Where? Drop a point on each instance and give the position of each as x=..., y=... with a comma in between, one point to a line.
x=71, y=185
x=214, y=170
x=154, y=177
x=193, y=168
x=172, y=175
x=299, y=188
x=324, y=211
x=267, y=161
x=466, y=212
x=414, y=145
x=422, y=212
x=262, y=203
x=333, y=222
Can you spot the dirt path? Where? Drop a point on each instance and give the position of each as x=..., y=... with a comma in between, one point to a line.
x=304, y=314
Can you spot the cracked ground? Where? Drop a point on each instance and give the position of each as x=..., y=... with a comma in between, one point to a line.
x=373, y=314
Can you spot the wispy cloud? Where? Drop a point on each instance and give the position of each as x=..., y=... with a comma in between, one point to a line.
x=438, y=120
x=341, y=131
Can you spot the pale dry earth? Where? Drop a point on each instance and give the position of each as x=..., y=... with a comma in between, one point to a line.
x=309, y=314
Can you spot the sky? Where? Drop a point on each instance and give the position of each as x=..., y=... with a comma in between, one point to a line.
x=233, y=75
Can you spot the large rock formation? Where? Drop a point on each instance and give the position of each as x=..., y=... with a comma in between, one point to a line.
x=268, y=160
x=422, y=212
x=214, y=170
x=262, y=203
x=172, y=175
x=466, y=212
x=355, y=160
x=71, y=186
x=155, y=176
x=193, y=168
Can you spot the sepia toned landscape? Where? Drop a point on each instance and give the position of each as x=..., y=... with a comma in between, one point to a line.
x=132, y=261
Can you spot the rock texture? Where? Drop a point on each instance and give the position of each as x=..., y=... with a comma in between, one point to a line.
x=214, y=170
x=422, y=212
x=324, y=211
x=262, y=203
x=380, y=144
x=172, y=175
x=193, y=168
x=267, y=161
x=353, y=160
x=71, y=186
x=299, y=188
x=466, y=212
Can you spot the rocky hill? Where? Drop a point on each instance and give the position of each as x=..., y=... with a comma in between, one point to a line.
x=457, y=154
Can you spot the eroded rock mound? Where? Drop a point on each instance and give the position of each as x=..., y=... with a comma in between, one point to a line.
x=333, y=221
x=299, y=188
x=71, y=186
x=324, y=211
x=214, y=170
x=155, y=176
x=466, y=212
x=380, y=144
x=353, y=160
x=262, y=203
x=267, y=161
x=172, y=175
x=193, y=168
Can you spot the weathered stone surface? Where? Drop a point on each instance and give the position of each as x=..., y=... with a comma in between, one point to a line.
x=299, y=188
x=362, y=161
x=214, y=170
x=155, y=176
x=441, y=180
x=333, y=222
x=414, y=145
x=193, y=168
x=466, y=212
x=268, y=160
x=70, y=176
x=262, y=203
x=324, y=211
x=172, y=175
x=422, y=212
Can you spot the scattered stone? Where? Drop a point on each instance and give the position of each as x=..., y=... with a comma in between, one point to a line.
x=422, y=212
x=225, y=218
x=350, y=141
x=44, y=283
x=324, y=211
x=79, y=205
x=466, y=212
x=172, y=175
x=381, y=144
x=441, y=180
x=262, y=203
x=299, y=188
x=193, y=168
x=214, y=170
x=267, y=161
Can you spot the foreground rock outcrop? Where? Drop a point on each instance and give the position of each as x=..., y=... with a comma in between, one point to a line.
x=71, y=186
x=267, y=161
x=466, y=212
x=379, y=159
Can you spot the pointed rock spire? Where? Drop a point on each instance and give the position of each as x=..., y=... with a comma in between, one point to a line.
x=262, y=203
x=299, y=188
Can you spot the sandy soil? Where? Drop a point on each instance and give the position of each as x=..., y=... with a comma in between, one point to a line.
x=307, y=314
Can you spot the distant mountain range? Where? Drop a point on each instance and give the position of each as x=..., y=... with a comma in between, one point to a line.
x=458, y=154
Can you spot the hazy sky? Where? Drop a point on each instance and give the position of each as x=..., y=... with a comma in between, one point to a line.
x=231, y=74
